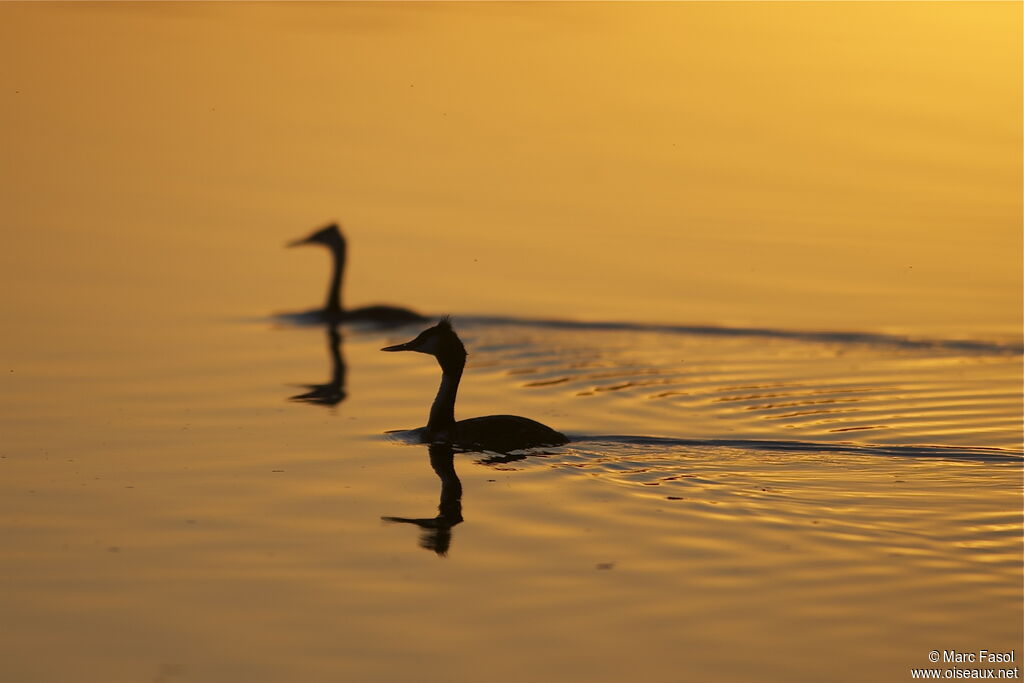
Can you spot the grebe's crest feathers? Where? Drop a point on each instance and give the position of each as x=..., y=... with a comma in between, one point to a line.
x=449, y=340
x=439, y=340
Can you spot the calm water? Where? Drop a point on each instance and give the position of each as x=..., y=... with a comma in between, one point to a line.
x=768, y=278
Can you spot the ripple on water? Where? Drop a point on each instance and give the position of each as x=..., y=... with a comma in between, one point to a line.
x=673, y=384
x=846, y=533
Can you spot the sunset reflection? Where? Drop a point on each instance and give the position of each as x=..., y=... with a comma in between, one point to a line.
x=759, y=265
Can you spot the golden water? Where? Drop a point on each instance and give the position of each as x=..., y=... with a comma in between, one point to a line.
x=761, y=261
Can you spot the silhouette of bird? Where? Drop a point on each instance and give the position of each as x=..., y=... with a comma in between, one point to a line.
x=499, y=433
x=331, y=237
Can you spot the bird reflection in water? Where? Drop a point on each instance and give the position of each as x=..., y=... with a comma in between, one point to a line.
x=333, y=392
x=436, y=532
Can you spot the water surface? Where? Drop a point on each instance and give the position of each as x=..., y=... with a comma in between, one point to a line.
x=761, y=261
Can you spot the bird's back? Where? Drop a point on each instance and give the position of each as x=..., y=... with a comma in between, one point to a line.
x=382, y=315
x=504, y=433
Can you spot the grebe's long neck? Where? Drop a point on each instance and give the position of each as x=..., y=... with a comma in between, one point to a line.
x=442, y=412
x=334, y=287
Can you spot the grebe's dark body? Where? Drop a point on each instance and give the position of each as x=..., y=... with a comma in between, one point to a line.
x=499, y=433
x=333, y=311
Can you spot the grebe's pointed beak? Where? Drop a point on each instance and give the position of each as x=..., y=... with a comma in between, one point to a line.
x=297, y=243
x=407, y=346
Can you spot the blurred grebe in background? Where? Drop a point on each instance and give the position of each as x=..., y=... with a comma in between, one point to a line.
x=500, y=433
x=333, y=311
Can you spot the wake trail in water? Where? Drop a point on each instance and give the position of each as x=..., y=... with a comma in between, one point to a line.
x=869, y=338
x=968, y=453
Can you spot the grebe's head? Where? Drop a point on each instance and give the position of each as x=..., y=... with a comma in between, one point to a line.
x=439, y=341
x=329, y=236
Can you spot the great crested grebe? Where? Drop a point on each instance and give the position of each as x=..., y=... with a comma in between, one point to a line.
x=500, y=433
x=331, y=237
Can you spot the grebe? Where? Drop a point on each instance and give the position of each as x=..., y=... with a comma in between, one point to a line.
x=332, y=311
x=500, y=433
